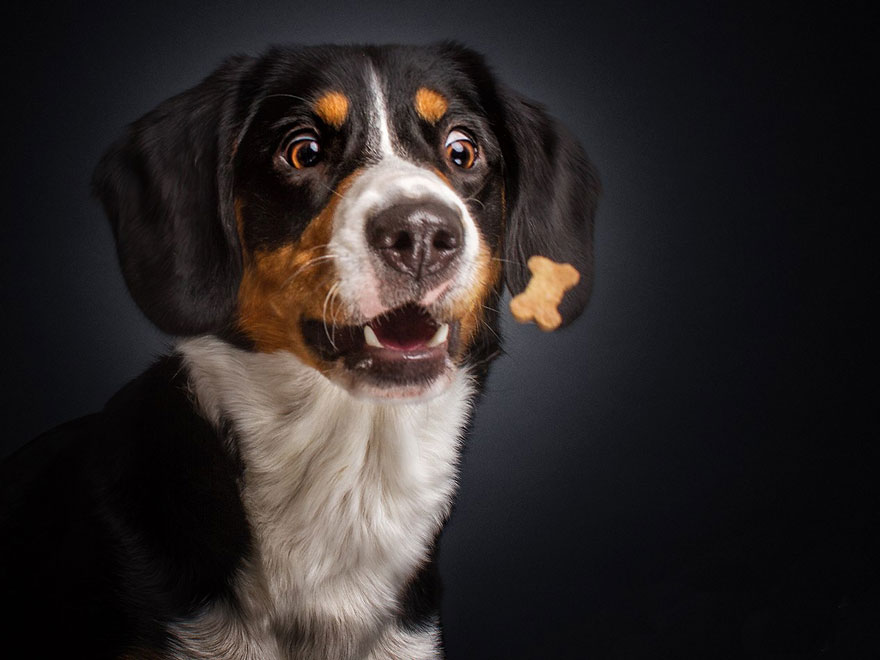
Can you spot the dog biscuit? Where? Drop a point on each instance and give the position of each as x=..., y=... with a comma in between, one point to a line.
x=544, y=292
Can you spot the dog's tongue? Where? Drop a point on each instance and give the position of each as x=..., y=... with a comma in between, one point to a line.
x=405, y=328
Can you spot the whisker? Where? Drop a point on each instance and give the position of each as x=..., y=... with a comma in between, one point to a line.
x=474, y=199
x=290, y=96
x=489, y=328
x=308, y=264
x=324, y=313
x=334, y=191
x=316, y=247
x=510, y=261
x=333, y=311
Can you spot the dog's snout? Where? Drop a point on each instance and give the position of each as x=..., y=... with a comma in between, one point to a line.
x=417, y=238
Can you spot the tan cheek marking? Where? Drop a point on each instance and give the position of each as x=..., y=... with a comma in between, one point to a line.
x=471, y=310
x=239, y=225
x=430, y=105
x=332, y=107
x=281, y=287
x=443, y=178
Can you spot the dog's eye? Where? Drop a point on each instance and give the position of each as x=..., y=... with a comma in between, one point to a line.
x=303, y=150
x=461, y=150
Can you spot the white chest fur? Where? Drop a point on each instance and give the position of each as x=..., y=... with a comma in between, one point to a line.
x=343, y=495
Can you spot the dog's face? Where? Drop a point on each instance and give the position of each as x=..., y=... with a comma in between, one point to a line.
x=368, y=201
x=360, y=208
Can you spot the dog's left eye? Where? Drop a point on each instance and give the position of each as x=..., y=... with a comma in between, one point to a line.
x=461, y=150
x=303, y=150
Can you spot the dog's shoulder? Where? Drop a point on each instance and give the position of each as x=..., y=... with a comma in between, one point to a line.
x=119, y=520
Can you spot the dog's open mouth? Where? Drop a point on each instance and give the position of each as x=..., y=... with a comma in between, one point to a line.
x=403, y=347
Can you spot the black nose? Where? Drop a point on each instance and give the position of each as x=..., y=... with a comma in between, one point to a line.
x=418, y=238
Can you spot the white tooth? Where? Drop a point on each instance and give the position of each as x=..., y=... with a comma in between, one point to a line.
x=371, y=338
x=439, y=336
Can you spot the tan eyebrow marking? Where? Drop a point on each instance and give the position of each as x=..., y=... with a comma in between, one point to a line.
x=430, y=105
x=332, y=107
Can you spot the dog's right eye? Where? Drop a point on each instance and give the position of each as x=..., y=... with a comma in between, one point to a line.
x=461, y=150
x=303, y=150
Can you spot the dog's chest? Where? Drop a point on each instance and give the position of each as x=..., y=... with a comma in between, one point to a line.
x=345, y=501
x=343, y=497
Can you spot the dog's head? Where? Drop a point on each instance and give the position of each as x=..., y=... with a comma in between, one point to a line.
x=359, y=207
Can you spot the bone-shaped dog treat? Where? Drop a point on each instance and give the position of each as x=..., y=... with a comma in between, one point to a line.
x=544, y=292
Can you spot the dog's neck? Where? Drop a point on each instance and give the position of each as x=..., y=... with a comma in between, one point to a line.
x=341, y=493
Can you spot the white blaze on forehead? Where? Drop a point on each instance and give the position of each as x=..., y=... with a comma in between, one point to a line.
x=379, y=116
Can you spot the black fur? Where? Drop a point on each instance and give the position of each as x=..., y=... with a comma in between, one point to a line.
x=117, y=523
x=167, y=189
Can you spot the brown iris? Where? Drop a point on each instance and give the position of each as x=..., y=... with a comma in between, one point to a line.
x=303, y=151
x=461, y=150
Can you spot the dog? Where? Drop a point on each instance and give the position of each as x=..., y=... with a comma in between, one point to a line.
x=327, y=231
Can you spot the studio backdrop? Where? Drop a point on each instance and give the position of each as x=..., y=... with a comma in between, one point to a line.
x=688, y=470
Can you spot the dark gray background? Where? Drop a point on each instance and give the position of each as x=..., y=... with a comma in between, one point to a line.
x=688, y=471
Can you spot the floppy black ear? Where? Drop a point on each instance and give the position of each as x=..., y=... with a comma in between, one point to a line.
x=166, y=188
x=551, y=191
